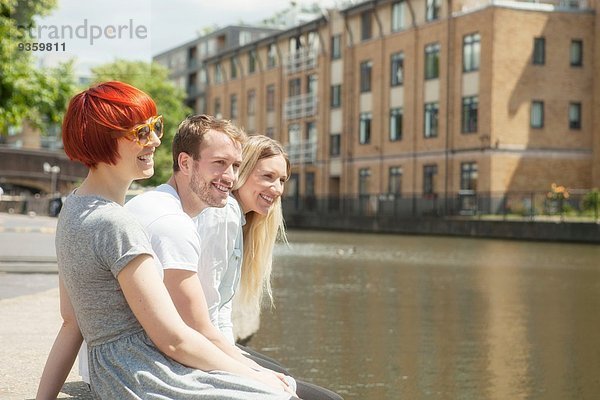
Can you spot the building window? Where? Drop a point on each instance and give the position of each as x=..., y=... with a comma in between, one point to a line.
x=245, y=37
x=252, y=61
x=429, y=173
x=431, y=120
x=311, y=132
x=469, y=114
x=471, y=52
x=218, y=108
x=294, y=88
x=310, y=184
x=576, y=53
x=270, y=132
x=468, y=176
x=270, y=98
x=574, y=115
x=365, y=76
x=233, y=107
x=295, y=43
x=334, y=144
x=537, y=114
x=363, y=181
x=364, y=135
x=432, y=11
x=312, y=41
x=203, y=76
x=395, y=181
x=213, y=46
x=432, y=61
x=539, y=51
x=233, y=67
x=397, y=69
x=397, y=16
x=395, y=124
x=336, y=96
x=336, y=47
x=294, y=132
x=251, y=104
x=365, y=25
x=272, y=56
x=192, y=57
x=311, y=84
x=201, y=105
x=191, y=84
x=218, y=73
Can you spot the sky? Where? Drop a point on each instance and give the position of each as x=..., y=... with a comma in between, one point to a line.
x=99, y=31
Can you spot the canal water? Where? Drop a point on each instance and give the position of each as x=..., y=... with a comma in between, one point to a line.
x=375, y=316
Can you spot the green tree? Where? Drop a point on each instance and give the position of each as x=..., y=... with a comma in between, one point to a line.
x=591, y=202
x=154, y=80
x=45, y=93
x=38, y=95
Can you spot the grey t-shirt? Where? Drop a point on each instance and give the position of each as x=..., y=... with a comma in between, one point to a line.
x=95, y=239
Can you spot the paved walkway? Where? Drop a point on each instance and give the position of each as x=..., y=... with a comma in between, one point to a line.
x=29, y=306
x=28, y=326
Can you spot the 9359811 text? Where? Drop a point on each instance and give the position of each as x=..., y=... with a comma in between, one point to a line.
x=34, y=46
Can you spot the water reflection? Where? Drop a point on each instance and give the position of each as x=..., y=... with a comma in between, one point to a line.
x=388, y=317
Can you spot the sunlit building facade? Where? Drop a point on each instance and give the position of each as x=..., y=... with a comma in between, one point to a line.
x=186, y=62
x=427, y=100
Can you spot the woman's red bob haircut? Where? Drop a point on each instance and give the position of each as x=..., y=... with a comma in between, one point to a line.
x=97, y=112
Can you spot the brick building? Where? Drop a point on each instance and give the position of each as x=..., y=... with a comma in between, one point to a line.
x=424, y=98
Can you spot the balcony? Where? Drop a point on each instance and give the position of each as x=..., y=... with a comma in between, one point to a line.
x=301, y=60
x=304, y=105
x=302, y=153
x=195, y=89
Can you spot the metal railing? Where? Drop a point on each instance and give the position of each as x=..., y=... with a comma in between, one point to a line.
x=304, y=105
x=301, y=60
x=304, y=152
x=466, y=204
x=583, y=205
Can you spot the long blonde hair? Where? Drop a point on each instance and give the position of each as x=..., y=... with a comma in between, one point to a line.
x=260, y=231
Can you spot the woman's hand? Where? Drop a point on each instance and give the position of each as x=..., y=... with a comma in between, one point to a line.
x=274, y=380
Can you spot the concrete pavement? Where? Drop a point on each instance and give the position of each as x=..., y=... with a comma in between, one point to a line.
x=27, y=254
x=29, y=306
x=28, y=326
x=27, y=243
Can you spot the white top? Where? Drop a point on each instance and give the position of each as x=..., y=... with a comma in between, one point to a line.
x=172, y=232
x=220, y=231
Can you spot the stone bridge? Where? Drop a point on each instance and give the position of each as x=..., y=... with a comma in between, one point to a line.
x=23, y=171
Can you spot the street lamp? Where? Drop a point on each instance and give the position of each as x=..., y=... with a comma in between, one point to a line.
x=54, y=170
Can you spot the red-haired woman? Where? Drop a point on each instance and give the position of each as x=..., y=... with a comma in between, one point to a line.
x=111, y=293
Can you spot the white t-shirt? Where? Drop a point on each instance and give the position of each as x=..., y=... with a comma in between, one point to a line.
x=172, y=232
x=221, y=251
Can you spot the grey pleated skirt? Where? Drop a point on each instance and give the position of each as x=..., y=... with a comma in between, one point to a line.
x=132, y=367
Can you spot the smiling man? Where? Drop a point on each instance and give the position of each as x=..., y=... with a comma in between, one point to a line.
x=207, y=153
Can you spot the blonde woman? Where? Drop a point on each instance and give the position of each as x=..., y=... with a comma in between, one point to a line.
x=237, y=244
